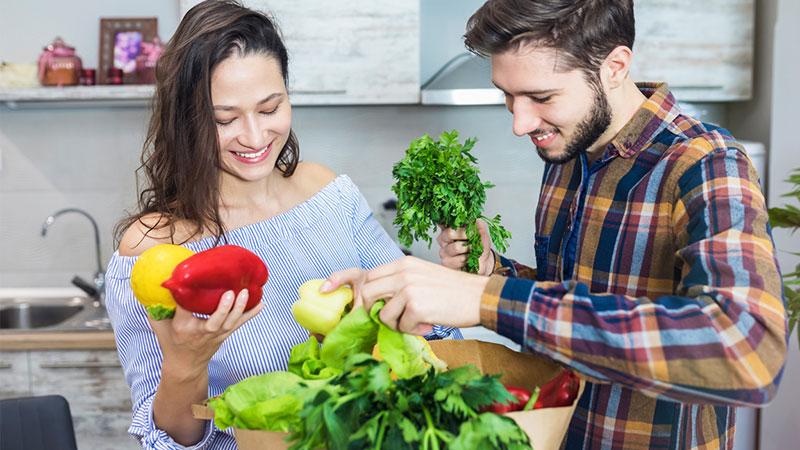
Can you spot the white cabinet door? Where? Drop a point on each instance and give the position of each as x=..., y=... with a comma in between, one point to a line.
x=347, y=51
x=704, y=50
x=14, y=374
x=94, y=385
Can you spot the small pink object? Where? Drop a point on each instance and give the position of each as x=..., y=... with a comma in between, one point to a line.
x=59, y=65
x=87, y=77
x=114, y=76
x=146, y=61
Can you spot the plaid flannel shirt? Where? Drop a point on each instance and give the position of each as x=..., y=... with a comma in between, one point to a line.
x=656, y=279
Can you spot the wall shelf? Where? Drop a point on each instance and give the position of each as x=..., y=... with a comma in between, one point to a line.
x=135, y=95
x=140, y=95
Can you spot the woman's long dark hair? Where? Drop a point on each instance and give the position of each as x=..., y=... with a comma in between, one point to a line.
x=181, y=157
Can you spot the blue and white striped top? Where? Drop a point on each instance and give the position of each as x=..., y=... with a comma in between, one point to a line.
x=332, y=230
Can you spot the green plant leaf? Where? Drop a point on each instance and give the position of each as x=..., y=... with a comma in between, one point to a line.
x=788, y=216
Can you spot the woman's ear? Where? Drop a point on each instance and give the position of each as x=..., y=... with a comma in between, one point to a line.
x=617, y=66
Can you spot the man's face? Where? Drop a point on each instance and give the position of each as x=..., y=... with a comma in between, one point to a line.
x=561, y=111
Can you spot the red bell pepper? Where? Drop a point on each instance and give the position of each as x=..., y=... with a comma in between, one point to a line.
x=198, y=282
x=521, y=395
x=562, y=390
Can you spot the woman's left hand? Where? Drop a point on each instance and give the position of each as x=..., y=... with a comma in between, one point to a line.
x=188, y=342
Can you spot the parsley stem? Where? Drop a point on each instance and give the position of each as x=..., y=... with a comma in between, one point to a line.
x=430, y=433
x=381, y=430
x=346, y=398
x=532, y=401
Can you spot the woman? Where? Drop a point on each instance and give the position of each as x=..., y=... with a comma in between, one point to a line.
x=222, y=166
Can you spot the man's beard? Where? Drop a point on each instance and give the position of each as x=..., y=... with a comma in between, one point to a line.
x=587, y=132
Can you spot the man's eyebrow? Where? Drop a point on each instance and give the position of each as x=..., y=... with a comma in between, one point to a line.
x=261, y=102
x=536, y=93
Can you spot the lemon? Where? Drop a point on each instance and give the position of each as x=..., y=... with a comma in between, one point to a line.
x=153, y=267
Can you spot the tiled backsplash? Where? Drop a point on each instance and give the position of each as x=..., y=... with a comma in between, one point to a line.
x=85, y=158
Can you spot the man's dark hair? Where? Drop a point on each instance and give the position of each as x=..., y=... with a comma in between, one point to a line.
x=583, y=32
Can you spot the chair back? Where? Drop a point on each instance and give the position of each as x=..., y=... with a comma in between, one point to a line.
x=36, y=423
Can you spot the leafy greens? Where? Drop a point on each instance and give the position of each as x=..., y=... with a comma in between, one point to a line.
x=364, y=409
x=340, y=397
x=438, y=183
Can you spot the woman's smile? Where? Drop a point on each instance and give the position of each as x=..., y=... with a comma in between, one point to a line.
x=253, y=157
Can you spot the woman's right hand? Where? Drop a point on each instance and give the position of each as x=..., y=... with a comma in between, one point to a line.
x=188, y=342
x=453, y=248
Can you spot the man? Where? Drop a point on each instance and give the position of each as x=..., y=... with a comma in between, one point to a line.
x=656, y=277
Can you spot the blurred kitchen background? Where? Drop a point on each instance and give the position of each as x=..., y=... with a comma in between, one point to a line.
x=357, y=70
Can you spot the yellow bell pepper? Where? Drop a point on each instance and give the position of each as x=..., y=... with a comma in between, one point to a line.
x=317, y=312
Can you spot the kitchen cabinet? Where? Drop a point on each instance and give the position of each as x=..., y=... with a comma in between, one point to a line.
x=704, y=52
x=94, y=385
x=349, y=51
x=14, y=375
x=92, y=382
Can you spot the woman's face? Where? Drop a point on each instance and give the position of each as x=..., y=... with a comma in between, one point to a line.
x=253, y=115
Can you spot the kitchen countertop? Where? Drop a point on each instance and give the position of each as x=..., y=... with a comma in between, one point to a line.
x=32, y=339
x=57, y=340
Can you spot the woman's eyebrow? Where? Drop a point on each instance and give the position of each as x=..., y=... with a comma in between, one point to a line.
x=261, y=102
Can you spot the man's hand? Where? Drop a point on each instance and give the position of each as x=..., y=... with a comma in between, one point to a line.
x=453, y=248
x=353, y=277
x=419, y=293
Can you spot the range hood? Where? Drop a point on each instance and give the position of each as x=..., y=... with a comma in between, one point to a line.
x=464, y=80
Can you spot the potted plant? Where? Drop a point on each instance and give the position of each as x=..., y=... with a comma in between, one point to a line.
x=789, y=217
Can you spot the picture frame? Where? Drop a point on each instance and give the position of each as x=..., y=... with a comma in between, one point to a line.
x=120, y=44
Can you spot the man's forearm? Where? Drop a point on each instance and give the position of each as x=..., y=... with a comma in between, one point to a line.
x=672, y=347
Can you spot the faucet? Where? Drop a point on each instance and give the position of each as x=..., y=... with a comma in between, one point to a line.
x=97, y=292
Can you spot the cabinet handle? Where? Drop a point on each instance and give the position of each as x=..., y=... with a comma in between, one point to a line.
x=5, y=365
x=80, y=365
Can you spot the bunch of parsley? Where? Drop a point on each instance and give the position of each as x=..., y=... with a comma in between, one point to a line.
x=363, y=408
x=437, y=183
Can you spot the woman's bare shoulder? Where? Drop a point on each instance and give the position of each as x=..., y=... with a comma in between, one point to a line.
x=150, y=230
x=311, y=177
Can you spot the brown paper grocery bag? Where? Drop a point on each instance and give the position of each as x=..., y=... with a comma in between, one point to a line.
x=258, y=440
x=546, y=428
x=202, y=412
x=246, y=439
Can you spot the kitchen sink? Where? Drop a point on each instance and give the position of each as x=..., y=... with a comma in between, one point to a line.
x=27, y=315
x=51, y=313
